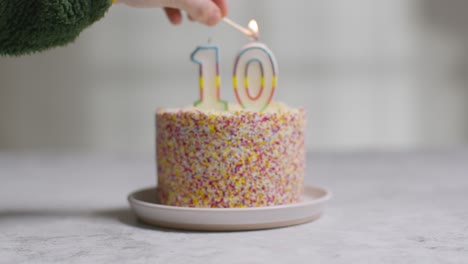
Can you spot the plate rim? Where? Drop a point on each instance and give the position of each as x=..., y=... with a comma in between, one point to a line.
x=133, y=200
x=231, y=227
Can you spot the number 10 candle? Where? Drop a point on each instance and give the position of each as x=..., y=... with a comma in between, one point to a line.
x=254, y=75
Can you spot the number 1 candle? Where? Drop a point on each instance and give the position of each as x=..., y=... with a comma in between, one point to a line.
x=207, y=58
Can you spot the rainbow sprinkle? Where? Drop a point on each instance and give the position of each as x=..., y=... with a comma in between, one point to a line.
x=235, y=158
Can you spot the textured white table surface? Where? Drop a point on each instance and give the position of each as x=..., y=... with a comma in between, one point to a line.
x=387, y=208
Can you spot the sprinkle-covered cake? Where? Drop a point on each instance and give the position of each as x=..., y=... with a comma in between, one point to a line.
x=234, y=158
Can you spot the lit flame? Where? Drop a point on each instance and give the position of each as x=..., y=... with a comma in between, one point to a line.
x=253, y=26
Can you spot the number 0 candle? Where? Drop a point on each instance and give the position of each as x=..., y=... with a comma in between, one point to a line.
x=255, y=75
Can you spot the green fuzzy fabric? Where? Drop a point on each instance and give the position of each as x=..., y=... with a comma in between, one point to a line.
x=28, y=26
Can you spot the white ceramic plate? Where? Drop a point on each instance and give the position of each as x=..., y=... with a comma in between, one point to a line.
x=148, y=210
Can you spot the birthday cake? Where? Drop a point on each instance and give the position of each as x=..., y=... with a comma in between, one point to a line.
x=234, y=158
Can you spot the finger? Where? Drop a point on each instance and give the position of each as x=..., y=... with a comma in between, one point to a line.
x=173, y=15
x=203, y=11
x=222, y=5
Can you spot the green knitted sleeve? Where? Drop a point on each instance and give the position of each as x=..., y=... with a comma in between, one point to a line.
x=28, y=26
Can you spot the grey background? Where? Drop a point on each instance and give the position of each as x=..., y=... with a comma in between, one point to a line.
x=371, y=74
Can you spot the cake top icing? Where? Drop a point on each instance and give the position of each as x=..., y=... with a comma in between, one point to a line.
x=234, y=109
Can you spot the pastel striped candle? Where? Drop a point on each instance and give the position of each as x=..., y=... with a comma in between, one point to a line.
x=255, y=76
x=207, y=57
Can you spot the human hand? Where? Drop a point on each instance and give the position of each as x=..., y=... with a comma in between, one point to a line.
x=208, y=12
